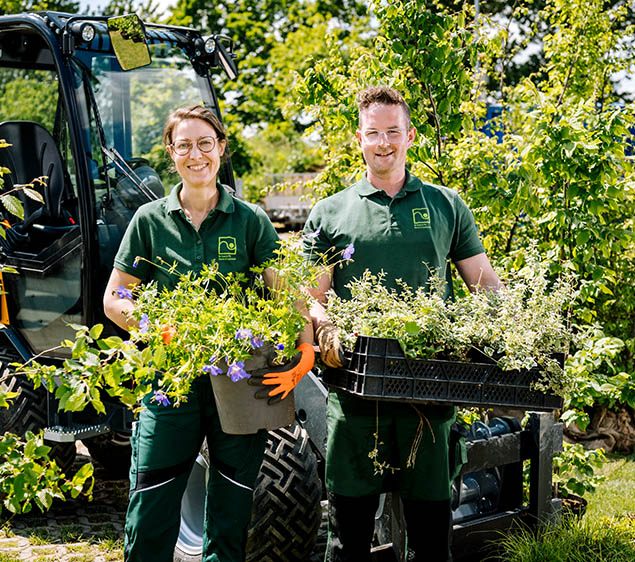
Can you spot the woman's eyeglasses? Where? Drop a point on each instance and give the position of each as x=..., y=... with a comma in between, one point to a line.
x=204, y=144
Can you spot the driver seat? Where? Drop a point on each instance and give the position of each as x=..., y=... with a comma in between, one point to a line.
x=33, y=153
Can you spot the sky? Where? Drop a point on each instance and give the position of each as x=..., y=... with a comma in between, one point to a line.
x=94, y=5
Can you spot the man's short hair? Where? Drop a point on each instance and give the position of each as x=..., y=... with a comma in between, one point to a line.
x=383, y=95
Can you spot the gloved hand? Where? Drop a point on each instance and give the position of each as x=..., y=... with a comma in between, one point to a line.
x=327, y=337
x=286, y=376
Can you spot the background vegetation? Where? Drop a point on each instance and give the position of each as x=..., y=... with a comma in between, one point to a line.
x=554, y=167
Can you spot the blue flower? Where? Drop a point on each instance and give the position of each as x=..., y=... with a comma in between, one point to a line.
x=212, y=369
x=348, y=252
x=144, y=323
x=135, y=263
x=280, y=346
x=314, y=235
x=161, y=398
x=124, y=293
x=236, y=371
x=243, y=333
x=256, y=341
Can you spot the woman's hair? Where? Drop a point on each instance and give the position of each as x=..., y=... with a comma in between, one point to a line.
x=192, y=112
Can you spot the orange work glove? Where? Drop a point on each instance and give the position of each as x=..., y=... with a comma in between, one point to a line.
x=288, y=379
x=328, y=338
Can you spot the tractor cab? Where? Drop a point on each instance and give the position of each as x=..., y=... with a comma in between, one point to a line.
x=84, y=101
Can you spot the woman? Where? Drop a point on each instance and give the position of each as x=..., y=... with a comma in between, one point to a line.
x=199, y=222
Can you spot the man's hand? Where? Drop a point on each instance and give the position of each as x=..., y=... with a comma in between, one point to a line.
x=327, y=337
x=286, y=376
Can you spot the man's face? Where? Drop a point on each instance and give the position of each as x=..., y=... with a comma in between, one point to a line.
x=385, y=136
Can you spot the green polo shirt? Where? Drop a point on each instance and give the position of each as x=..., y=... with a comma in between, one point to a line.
x=409, y=235
x=236, y=234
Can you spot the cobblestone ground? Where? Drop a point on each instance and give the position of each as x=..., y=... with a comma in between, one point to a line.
x=82, y=531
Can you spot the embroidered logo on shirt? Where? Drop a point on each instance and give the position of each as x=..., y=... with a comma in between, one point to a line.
x=227, y=248
x=421, y=218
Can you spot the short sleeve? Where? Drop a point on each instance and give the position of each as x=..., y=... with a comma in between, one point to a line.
x=265, y=238
x=465, y=242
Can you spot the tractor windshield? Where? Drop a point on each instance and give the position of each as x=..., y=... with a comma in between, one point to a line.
x=125, y=112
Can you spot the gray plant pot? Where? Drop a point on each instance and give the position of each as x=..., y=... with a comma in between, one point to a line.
x=240, y=412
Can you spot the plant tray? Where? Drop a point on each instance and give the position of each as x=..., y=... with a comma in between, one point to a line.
x=378, y=369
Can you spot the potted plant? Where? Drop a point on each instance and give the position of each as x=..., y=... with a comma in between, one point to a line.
x=227, y=327
x=483, y=348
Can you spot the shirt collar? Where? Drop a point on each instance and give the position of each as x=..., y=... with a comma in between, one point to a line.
x=365, y=188
x=225, y=200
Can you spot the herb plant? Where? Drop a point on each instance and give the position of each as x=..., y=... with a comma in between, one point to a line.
x=520, y=327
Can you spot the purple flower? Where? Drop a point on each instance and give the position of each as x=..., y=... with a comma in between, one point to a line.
x=161, y=398
x=135, y=263
x=280, y=346
x=144, y=323
x=212, y=369
x=348, y=252
x=314, y=235
x=243, y=333
x=236, y=371
x=256, y=341
x=124, y=293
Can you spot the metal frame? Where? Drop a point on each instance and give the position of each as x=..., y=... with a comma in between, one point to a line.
x=537, y=443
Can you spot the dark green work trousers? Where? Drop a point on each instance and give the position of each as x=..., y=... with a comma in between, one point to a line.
x=165, y=444
x=354, y=484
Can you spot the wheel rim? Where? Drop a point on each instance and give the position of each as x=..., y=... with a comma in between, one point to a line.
x=190, y=539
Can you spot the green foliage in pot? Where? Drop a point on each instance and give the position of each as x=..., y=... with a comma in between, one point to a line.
x=520, y=327
x=208, y=324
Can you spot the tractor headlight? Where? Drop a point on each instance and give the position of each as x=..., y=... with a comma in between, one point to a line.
x=209, y=45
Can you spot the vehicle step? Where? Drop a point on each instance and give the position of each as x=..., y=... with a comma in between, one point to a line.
x=69, y=433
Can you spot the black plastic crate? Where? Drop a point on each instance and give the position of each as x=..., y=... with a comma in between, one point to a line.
x=378, y=369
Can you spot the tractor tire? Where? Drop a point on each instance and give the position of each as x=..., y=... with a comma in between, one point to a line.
x=286, y=513
x=112, y=451
x=28, y=412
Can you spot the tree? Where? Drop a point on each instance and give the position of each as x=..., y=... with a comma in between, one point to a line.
x=147, y=10
x=18, y=6
x=272, y=39
x=559, y=175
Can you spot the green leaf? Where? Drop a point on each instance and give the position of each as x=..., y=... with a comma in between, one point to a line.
x=45, y=498
x=582, y=237
x=33, y=194
x=76, y=402
x=412, y=328
x=159, y=357
x=13, y=205
x=96, y=331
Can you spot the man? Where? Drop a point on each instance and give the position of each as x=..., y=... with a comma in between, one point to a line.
x=407, y=228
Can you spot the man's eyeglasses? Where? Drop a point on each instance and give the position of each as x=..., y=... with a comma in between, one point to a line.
x=183, y=147
x=372, y=136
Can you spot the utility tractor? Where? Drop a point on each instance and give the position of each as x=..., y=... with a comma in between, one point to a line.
x=84, y=100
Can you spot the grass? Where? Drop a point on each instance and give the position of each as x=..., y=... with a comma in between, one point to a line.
x=576, y=540
x=616, y=495
x=605, y=534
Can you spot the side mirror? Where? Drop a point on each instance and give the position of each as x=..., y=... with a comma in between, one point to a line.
x=226, y=59
x=128, y=38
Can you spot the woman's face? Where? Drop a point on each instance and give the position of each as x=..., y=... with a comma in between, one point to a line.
x=197, y=169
